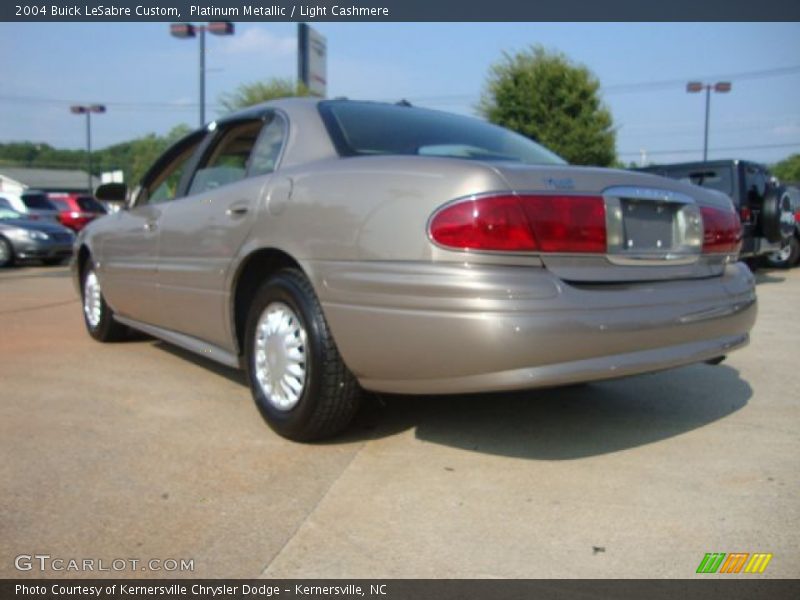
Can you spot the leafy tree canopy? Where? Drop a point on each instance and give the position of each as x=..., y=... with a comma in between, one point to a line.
x=249, y=94
x=545, y=97
x=788, y=169
x=133, y=157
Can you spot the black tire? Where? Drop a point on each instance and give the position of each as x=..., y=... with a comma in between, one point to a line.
x=777, y=219
x=785, y=258
x=330, y=395
x=6, y=253
x=753, y=263
x=105, y=329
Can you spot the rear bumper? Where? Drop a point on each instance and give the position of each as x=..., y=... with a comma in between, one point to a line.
x=758, y=246
x=429, y=329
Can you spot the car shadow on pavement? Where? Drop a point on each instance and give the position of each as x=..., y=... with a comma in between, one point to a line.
x=565, y=423
x=562, y=423
x=767, y=277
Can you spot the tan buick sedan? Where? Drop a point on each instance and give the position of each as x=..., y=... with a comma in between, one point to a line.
x=333, y=246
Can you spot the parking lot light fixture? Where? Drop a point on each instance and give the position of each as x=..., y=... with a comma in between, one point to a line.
x=88, y=109
x=190, y=30
x=721, y=87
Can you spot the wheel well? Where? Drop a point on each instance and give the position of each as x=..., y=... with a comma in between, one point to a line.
x=83, y=257
x=252, y=273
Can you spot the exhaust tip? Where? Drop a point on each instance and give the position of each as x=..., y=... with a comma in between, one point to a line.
x=716, y=361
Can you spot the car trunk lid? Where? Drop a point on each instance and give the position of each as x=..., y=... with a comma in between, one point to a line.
x=654, y=226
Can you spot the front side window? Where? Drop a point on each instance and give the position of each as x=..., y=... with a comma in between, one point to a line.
x=165, y=186
x=160, y=184
x=228, y=159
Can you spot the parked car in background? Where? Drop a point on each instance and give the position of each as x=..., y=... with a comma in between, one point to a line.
x=327, y=246
x=22, y=238
x=789, y=254
x=761, y=202
x=34, y=205
x=76, y=210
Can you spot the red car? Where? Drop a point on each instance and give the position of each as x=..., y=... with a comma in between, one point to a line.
x=76, y=210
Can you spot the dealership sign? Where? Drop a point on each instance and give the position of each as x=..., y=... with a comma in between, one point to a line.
x=312, y=52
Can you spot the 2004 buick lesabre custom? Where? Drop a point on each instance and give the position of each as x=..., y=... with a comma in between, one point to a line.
x=330, y=246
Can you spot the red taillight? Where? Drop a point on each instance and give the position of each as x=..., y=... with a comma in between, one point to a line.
x=557, y=223
x=567, y=223
x=744, y=214
x=722, y=230
x=495, y=223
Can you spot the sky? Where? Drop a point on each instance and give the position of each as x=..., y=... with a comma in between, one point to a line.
x=149, y=80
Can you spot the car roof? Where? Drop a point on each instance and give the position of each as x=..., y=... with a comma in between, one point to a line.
x=700, y=164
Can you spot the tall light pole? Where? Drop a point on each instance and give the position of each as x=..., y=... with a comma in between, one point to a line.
x=721, y=87
x=88, y=109
x=190, y=30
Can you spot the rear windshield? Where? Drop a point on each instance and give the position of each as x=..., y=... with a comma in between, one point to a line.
x=367, y=128
x=716, y=178
x=89, y=204
x=37, y=201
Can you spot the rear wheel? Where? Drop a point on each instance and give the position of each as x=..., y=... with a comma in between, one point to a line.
x=786, y=257
x=299, y=382
x=6, y=253
x=97, y=315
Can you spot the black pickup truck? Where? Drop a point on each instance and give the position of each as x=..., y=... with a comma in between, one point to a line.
x=763, y=205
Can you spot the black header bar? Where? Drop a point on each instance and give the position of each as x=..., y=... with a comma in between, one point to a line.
x=399, y=10
x=734, y=588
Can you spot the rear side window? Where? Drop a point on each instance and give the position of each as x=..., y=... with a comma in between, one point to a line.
x=60, y=204
x=37, y=202
x=268, y=147
x=89, y=204
x=367, y=128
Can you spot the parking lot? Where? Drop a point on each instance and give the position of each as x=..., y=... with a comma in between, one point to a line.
x=139, y=450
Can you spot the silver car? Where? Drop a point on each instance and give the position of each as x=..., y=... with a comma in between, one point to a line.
x=22, y=238
x=333, y=246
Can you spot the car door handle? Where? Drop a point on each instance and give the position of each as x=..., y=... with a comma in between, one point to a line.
x=150, y=226
x=236, y=211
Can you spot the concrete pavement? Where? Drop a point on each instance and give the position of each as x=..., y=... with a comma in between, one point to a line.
x=140, y=450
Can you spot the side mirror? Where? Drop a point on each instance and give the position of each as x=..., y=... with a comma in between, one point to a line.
x=111, y=192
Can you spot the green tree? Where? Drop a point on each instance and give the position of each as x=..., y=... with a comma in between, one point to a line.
x=788, y=169
x=257, y=92
x=133, y=157
x=547, y=98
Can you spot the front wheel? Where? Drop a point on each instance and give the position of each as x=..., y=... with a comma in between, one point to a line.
x=6, y=253
x=786, y=257
x=299, y=382
x=97, y=315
